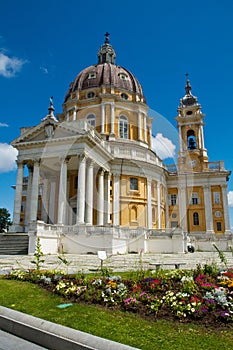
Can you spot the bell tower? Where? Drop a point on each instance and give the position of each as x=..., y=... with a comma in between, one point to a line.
x=192, y=153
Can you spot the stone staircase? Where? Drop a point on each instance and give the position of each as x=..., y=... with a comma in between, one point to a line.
x=13, y=244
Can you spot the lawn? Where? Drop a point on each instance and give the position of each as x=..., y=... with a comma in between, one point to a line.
x=121, y=326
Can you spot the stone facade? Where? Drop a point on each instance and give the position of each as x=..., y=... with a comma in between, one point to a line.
x=93, y=181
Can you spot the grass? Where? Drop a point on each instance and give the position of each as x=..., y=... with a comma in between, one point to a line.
x=119, y=326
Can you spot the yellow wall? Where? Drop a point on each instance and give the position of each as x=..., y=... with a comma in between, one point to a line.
x=217, y=208
x=133, y=204
x=196, y=208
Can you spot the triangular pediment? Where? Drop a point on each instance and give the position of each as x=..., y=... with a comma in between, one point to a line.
x=50, y=129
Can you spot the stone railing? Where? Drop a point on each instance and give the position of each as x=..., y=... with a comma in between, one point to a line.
x=211, y=167
x=128, y=151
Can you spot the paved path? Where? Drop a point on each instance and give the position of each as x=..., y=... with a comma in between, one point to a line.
x=128, y=262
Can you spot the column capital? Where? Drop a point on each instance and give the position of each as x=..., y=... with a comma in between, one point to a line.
x=91, y=163
x=65, y=159
x=107, y=174
x=101, y=172
x=36, y=161
x=82, y=157
x=19, y=162
x=224, y=187
x=206, y=187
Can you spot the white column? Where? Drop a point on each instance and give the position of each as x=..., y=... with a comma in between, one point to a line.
x=62, y=197
x=18, y=194
x=145, y=130
x=45, y=199
x=67, y=115
x=116, y=199
x=208, y=209
x=102, y=118
x=139, y=126
x=226, y=209
x=107, y=197
x=35, y=191
x=100, y=198
x=158, y=205
x=81, y=190
x=74, y=113
x=28, y=201
x=149, y=207
x=89, y=194
x=202, y=137
x=112, y=118
x=52, y=200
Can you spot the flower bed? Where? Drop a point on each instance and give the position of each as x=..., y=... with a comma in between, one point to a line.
x=203, y=294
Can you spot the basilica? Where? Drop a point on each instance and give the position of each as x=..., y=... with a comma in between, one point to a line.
x=88, y=178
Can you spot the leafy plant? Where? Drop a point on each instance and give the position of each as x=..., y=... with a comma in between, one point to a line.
x=221, y=255
x=38, y=261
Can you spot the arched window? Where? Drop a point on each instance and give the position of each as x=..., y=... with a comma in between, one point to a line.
x=91, y=119
x=133, y=213
x=191, y=140
x=195, y=219
x=123, y=127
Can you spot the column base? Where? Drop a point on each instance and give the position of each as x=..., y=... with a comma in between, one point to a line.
x=112, y=137
x=16, y=228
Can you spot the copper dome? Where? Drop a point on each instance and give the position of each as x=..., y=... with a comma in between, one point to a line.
x=106, y=74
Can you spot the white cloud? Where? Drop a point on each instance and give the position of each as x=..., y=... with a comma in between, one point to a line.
x=8, y=155
x=230, y=198
x=3, y=125
x=163, y=147
x=10, y=66
x=44, y=70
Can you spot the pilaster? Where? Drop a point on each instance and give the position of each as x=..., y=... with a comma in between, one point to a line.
x=208, y=209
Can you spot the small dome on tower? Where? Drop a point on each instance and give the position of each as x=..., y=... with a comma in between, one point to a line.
x=188, y=99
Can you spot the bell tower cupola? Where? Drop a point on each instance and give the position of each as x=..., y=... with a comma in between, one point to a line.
x=192, y=152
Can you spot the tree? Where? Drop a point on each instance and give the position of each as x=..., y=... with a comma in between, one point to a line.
x=5, y=221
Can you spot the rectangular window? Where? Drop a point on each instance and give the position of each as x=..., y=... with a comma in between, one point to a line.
x=195, y=199
x=172, y=199
x=219, y=226
x=22, y=207
x=217, y=198
x=133, y=184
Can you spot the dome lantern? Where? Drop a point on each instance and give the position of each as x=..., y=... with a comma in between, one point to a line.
x=106, y=52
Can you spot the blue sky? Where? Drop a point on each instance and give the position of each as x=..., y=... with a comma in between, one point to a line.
x=44, y=44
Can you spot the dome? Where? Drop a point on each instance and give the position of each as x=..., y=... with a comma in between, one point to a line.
x=106, y=73
x=188, y=99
